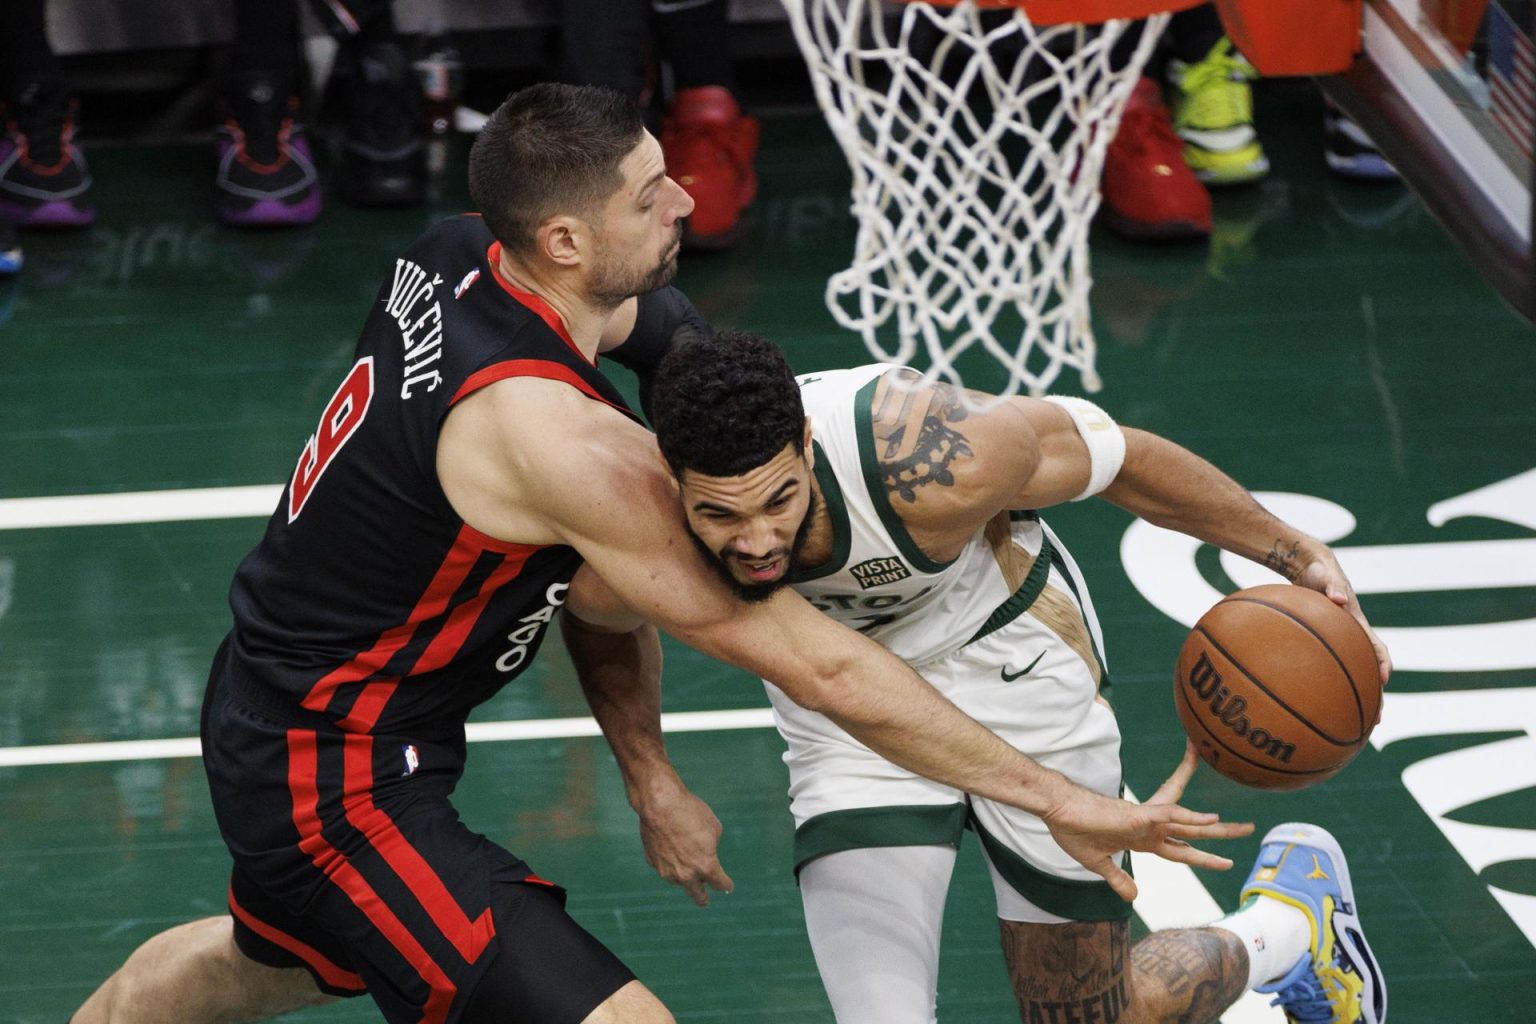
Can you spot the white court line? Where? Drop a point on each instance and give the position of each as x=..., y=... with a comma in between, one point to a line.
x=475, y=732
x=139, y=507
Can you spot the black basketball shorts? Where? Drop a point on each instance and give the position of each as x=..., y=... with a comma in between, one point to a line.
x=351, y=862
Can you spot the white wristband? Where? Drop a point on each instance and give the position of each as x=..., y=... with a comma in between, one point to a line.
x=1106, y=443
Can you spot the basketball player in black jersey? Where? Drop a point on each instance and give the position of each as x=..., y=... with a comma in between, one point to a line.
x=473, y=476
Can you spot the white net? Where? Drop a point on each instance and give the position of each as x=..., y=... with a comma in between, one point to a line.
x=976, y=141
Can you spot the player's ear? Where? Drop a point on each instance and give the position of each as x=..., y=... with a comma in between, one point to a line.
x=805, y=443
x=559, y=239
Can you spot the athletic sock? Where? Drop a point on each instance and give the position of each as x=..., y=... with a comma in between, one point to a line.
x=1274, y=934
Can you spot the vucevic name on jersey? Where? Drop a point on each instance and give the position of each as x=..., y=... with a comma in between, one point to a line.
x=368, y=599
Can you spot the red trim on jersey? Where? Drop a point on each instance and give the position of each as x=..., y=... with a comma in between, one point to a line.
x=462, y=619
x=329, y=971
x=434, y=602
x=541, y=368
x=543, y=310
x=468, y=937
x=303, y=771
x=501, y=547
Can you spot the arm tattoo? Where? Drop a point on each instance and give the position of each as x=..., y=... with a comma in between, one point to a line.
x=917, y=446
x=1282, y=559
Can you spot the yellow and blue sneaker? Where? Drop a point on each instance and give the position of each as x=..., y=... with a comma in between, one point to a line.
x=1213, y=114
x=1339, y=980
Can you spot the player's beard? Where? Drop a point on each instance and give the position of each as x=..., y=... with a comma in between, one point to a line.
x=613, y=280
x=755, y=592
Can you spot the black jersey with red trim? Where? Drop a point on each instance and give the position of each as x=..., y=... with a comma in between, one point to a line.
x=369, y=599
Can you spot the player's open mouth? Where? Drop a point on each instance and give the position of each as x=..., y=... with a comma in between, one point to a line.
x=762, y=572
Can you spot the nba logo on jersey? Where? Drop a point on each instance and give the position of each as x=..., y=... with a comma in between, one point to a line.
x=412, y=761
x=463, y=286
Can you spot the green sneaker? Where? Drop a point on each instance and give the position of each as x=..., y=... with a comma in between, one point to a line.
x=1213, y=114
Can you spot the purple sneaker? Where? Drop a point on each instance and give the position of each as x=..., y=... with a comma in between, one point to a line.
x=266, y=170
x=43, y=176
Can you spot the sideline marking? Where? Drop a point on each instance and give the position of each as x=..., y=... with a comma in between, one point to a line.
x=475, y=732
x=256, y=501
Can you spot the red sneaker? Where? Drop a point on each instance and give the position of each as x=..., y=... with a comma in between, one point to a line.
x=1149, y=191
x=709, y=145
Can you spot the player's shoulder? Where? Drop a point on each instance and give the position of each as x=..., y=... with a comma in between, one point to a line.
x=545, y=413
x=464, y=232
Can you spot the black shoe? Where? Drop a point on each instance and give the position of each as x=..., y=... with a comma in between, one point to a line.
x=266, y=172
x=43, y=177
x=383, y=160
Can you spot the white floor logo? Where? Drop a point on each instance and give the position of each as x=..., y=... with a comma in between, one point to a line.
x=1161, y=564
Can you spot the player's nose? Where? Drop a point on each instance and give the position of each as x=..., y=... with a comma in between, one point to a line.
x=684, y=201
x=757, y=538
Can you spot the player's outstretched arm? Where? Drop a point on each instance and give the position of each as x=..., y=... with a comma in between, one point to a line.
x=617, y=656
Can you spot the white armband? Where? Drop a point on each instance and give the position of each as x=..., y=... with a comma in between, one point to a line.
x=1105, y=441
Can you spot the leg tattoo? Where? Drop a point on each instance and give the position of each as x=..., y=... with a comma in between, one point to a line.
x=1088, y=973
x=1068, y=973
x=1188, y=975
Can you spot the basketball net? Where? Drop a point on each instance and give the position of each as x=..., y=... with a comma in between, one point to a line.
x=976, y=141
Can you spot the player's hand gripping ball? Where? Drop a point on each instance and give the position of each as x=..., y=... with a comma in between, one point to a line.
x=1278, y=687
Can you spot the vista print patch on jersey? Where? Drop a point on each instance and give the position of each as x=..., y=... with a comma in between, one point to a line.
x=879, y=571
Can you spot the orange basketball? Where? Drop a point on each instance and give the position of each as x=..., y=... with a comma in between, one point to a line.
x=1278, y=687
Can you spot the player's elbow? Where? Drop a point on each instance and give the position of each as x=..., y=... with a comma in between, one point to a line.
x=826, y=685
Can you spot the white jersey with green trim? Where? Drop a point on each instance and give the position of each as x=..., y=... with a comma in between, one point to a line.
x=878, y=580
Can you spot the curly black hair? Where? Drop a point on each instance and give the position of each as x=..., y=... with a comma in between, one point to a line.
x=726, y=404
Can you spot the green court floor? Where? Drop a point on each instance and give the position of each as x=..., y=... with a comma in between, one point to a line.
x=1328, y=346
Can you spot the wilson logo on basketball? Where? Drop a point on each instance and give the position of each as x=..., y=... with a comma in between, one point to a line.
x=1229, y=709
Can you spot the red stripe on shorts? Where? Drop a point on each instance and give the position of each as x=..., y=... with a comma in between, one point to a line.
x=303, y=771
x=330, y=972
x=468, y=937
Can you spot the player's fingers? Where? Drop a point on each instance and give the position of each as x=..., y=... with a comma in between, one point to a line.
x=1218, y=830
x=1163, y=814
x=1183, y=853
x=719, y=880
x=696, y=891
x=1383, y=659
x=1170, y=791
x=1121, y=882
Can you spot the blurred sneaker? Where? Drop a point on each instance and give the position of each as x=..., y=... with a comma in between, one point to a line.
x=10, y=248
x=1339, y=980
x=1349, y=151
x=1213, y=114
x=266, y=170
x=383, y=157
x=1149, y=191
x=710, y=146
x=43, y=176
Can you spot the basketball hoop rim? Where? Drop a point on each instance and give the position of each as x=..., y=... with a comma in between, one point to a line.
x=1075, y=12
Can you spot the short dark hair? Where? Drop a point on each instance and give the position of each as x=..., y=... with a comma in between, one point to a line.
x=550, y=149
x=726, y=404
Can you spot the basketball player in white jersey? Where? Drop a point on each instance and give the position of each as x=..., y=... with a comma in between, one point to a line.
x=898, y=509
